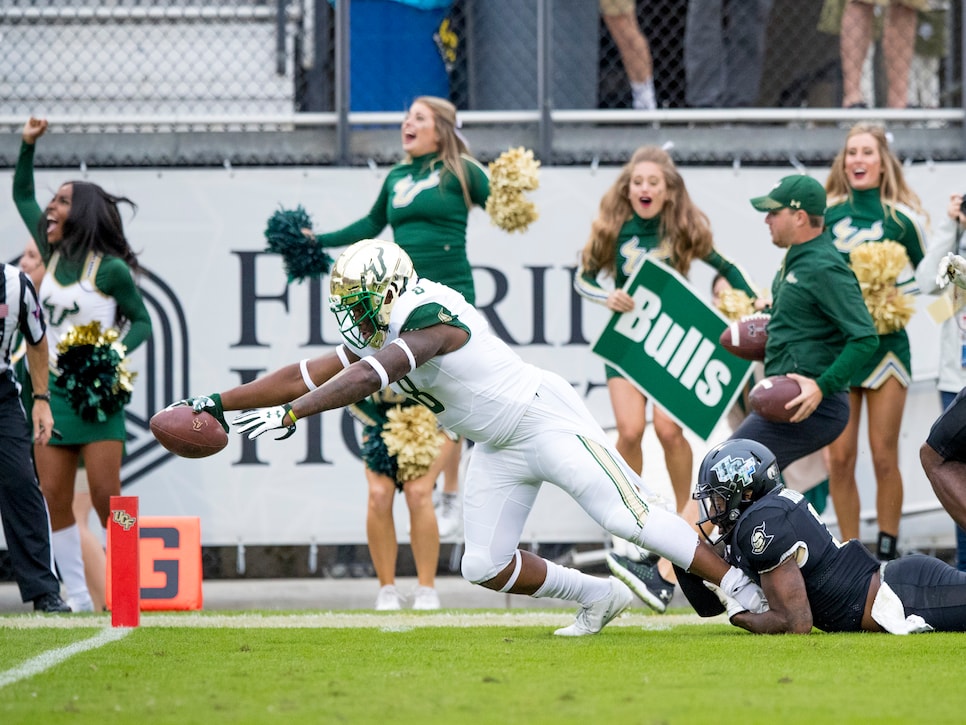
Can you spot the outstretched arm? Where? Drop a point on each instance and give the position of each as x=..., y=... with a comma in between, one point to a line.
x=789, y=611
x=360, y=379
x=276, y=388
x=24, y=191
x=282, y=385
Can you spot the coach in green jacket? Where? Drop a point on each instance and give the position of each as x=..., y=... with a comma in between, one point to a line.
x=820, y=331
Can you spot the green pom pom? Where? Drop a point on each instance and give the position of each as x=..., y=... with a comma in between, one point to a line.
x=301, y=256
x=375, y=455
x=90, y=377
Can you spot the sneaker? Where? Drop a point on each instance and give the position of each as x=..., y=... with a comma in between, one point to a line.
x=425, y=598
x=449, y=518
x=81, y=603
x=388, y=599
x=644, y=580
x=51, y=603
x=591, y=619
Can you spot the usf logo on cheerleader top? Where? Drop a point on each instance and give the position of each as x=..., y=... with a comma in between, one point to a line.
x=406, y=190
x=848, y=236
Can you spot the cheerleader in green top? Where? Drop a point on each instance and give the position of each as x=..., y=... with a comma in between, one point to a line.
x=90, y=277
x=648, y=211
x=870, y=202
x=426, y=200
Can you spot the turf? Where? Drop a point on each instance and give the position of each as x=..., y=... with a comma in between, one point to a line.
x=246, y=670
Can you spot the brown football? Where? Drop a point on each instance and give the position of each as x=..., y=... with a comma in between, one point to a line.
x=769, y=396
x=188, y=434
x=746, y=337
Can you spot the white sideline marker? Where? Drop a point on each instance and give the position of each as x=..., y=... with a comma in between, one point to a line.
x=45, y=661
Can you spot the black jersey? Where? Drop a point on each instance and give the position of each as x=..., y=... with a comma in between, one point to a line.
x=783, y=524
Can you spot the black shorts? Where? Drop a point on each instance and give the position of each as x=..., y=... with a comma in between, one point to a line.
x=948, y=434
x=930, y=588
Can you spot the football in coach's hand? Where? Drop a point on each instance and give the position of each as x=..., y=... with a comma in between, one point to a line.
x=746, y=337
x=188, y=434
x=769, y=396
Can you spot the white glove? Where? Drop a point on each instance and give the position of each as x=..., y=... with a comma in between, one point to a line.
x=952, y=268
x=204, y=404
x=261, y=420
x=738, y=586
x=732, y=606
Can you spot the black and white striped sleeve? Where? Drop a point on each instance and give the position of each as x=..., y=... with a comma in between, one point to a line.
x=32, y=323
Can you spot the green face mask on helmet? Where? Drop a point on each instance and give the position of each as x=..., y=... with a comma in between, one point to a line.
x=366, y=281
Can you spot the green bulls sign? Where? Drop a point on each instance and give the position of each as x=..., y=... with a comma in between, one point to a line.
x=668, y=347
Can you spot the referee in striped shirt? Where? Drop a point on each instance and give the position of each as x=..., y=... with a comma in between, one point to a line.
x=23, y=512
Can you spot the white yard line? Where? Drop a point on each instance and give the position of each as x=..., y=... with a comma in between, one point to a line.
x=45, y=661
x=341, y=620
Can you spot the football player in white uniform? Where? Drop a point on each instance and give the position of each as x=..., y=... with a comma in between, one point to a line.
x=528, y=424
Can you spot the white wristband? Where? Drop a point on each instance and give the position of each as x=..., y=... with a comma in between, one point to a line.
x=304, y=369
x=380, y=370
x=409, y=353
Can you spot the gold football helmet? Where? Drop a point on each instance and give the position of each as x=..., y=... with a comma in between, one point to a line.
x=366, y=281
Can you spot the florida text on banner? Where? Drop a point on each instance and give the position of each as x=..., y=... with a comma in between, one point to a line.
x=668, y=346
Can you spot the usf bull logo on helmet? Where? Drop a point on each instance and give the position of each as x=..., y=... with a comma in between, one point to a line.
x=366, y=280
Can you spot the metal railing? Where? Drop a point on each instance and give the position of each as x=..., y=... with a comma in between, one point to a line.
x=171, y=82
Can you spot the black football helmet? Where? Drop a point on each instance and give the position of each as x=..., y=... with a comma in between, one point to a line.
x=733, y=475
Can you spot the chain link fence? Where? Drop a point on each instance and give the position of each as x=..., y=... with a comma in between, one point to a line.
x=200, y=82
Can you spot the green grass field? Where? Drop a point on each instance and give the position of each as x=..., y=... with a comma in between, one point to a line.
x=466, y=667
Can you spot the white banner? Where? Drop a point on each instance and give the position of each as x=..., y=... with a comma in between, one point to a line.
x=223, y=313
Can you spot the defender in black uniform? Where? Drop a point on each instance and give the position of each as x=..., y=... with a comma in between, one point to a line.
x=943, y=458
x=810, y=579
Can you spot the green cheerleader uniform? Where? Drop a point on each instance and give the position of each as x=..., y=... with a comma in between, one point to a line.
x=425, y=207
x=636, y=238
x=865, y=218
x=75, y=293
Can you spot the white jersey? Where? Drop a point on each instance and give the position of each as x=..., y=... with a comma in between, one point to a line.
x=480, y=391
x=75, y=304
x=530, y=427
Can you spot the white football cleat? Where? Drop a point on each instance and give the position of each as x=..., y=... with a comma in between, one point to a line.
x=593, y=618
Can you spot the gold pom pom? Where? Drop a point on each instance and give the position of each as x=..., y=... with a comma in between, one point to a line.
x=412, y=435
x=92, y=370
x=877, y=266
x=91, y=334
x=513, y=173
x=735, y=304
